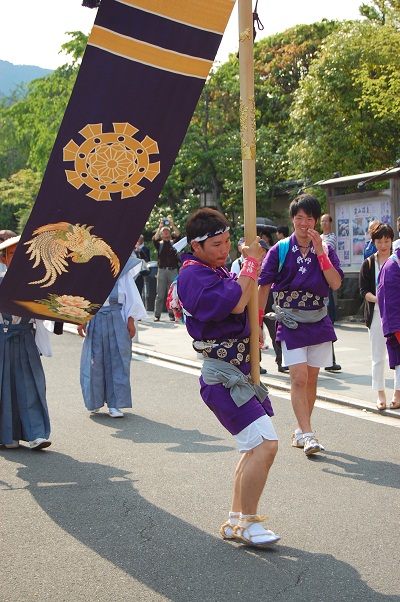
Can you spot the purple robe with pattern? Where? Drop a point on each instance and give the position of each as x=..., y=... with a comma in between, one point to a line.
x=209, y=296
x=388, y=293
x=300, y=274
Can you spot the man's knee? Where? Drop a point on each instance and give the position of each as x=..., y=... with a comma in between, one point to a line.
x=267, y=450
x=299, y=380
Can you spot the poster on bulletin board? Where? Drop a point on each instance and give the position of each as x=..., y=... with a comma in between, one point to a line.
x=351, y=223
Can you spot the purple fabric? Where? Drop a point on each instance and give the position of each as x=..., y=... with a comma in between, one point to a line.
x=388, y=299
x=300, y=274
x=234, y=419
x=210, y=295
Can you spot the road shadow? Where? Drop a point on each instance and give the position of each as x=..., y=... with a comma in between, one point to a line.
x=100, y=507
x=142, y=430
x=382, y=473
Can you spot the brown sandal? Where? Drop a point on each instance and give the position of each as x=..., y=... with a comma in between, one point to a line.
x=394, y=404
x=381, y=405
x=260, y=537
x=227, y=531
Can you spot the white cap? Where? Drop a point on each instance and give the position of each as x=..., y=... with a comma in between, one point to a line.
x=9, y=242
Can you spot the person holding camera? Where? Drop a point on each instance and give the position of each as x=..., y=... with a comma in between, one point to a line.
x=167, y=263
x=143, y=253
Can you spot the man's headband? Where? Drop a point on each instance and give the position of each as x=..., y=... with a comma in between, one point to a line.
x=210, y=235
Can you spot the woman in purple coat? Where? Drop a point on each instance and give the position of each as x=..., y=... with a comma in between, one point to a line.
x=215, y=306
x=389, y=305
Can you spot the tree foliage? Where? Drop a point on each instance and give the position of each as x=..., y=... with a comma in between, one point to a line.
x=338, y=122
x=382, y=12
x=210, y=157
x=17, y=195
x=29, y=122
x=327, y=99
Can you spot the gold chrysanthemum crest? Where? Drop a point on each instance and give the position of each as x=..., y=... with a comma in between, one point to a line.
x=111, y=162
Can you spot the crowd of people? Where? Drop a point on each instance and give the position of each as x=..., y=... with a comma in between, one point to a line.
x=296, y=278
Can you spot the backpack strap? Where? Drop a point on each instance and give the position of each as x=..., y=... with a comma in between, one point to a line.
x=283, y=248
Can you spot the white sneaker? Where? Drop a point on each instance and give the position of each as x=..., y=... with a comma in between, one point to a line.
x=311, y=445
x=39, y=443
x=115, y=413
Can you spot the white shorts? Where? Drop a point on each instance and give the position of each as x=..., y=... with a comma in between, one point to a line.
x=316, y=356
x=255, y=433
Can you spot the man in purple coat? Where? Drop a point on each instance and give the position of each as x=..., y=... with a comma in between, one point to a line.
x=215, y=306
x=299, y=271
x=388, y=292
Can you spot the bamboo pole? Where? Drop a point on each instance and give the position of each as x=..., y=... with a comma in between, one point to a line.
x=248, y=143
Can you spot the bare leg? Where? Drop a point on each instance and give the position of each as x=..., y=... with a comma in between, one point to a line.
x=303, y=392
x=312, y=387
x=395, y=403
x=251, y=475
x=382, y=397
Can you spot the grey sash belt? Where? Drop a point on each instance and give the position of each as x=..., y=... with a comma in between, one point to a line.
x=241, y=387
x=291, y=317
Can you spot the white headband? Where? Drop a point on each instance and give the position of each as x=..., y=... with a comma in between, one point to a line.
x=210, y=235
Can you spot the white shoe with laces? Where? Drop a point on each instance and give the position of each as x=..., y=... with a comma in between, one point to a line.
x=311, y=444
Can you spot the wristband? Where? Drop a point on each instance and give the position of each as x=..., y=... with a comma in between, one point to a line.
x=324, y=262
x=260, y=316
x=250, y=268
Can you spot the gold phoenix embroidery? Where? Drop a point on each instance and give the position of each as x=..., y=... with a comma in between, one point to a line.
x=111, y=162
x=53, y=244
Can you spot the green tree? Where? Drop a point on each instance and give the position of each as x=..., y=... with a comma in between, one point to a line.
x=382, y=12
x=17, y=195
x=210, y=158
x=29, y=121
x=337, y=124
x=14, y=145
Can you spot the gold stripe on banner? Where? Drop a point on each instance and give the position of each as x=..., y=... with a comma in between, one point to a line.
x=148, y=54
x=210, y=15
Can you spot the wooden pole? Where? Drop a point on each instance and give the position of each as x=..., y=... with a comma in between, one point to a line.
x=248, y=142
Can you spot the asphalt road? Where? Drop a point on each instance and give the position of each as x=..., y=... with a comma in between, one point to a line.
x=129, y=509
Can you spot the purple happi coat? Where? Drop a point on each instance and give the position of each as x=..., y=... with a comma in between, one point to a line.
x=301, y=275
x=208, y=296
x=388, y=293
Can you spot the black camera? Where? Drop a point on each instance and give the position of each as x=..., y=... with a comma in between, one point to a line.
x=166, y=221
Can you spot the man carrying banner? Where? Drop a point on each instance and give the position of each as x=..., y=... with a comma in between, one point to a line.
x=300, y=270
x=215, y=306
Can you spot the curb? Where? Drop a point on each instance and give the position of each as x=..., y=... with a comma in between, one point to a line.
x=335, y=399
